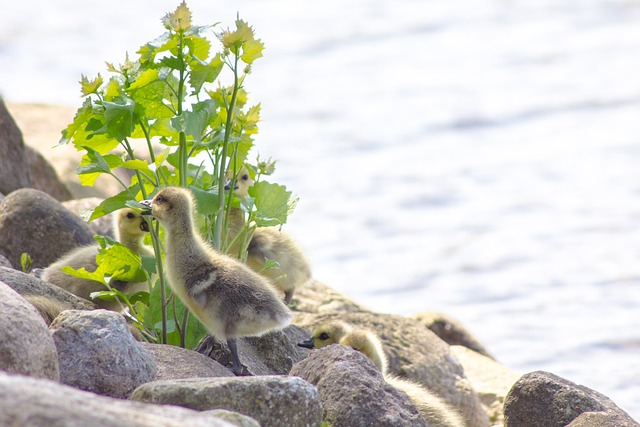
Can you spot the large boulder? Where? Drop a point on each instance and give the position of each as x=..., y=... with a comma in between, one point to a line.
x=34, y=222
x=273, y=401
x=98, y=353
x=544, y=399
x=415, y=353
x=271, y=354
x=176, y=363
x=353, y=392
x=26, y=345
x=14, y=166
x=317, y=298
x=42, y=403
x=44, y=176
x=491, y=380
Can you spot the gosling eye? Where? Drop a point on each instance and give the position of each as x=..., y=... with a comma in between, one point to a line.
x=245, y=177
x=159, y=199
x=130, y=215
x=324, y=336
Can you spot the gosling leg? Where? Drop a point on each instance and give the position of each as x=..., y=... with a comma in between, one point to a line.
x=288, y=296
x=236, y=367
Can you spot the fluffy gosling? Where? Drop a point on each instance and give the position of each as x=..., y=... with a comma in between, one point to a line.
x=228, y=298
x=130, y=231
x=433, y=408
x=270, y=243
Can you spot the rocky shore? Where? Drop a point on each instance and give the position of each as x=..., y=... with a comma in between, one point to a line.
x=85, y=367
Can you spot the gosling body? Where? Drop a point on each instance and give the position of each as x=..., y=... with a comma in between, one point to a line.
x=435, y=411
x=270, y=243
x=130, y=231
x=228, y=298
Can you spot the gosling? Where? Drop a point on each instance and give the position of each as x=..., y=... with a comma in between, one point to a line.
x=269, y=243
x=228, y=298
x=130, y=231
x=435, y=411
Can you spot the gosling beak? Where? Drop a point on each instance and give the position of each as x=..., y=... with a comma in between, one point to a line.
x=228, y=185
x=147, y=206
x=144, y=225
x=306, y=343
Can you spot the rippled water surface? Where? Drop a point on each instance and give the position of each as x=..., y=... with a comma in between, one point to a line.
x=480, y=158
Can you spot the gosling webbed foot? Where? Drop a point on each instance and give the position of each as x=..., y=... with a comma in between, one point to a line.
x=236, y=367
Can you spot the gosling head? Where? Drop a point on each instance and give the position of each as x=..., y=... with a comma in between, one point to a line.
x=242, y=184
x=328, y=333
x=171, y=204
x=130, y=223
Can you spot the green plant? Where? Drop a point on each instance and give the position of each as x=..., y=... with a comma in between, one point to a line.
x=168, y=117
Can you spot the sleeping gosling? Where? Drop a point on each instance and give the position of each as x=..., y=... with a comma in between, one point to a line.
x=435, y=411
x=269, y=243
x=130, y=231
x=228, y=298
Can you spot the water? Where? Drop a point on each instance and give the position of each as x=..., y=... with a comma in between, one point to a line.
x=474, y=157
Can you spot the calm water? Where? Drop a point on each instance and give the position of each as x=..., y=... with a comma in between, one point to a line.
x=479, y=158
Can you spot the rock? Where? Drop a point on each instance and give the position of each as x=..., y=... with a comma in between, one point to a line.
x=14, y=167
x=103, y=226
x=271, y=354
x=174, y=363
x=544, y=399
x=44, y=176
x=4, y=262
x=25, y=285
x=273, y=401
x=415, y=353
x=353, y=392
x=234, y=418
x=98, y=353
x=451, y=331
x=34, y=222
x=317, y=298
x=491, y=380
x=26, y=345
x=42, y=403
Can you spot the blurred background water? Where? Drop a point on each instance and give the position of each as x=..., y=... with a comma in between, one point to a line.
x=479, y=158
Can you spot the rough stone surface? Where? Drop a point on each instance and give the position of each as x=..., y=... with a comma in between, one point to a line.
x=25, y=284
x=44, y=176
x=98, y=353
x=14, y=167
x=353, y=392
x=491, y=380
x=234, y=418
x=544, y=399
x=415, y=353
x=174, y=363
x=273, y=401
x=317, y=298
x=271, y=354
x=34, y=222
x=26, y=347
x=4, y=262
x=103, y=226
x=451, y=331
x=42, y=403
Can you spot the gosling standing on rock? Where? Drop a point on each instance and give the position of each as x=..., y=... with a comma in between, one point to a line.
x=435, y=411
x=130, y=231
x=270, y=243
x=228, y=298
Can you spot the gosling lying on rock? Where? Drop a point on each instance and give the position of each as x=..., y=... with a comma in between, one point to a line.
x=130, y=231
x=435, y=411
x=269, y=243
x=228, y=298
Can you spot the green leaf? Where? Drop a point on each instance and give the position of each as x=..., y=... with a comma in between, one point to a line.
x=84, y=274
x=198, y=46
x=119, y=118
x=251, y=51
x=273, y=203
x=119, y=262
x=90, y=86
x=204, y=73
x=207, y=201
x=93, y=164
x=25, y=262
x=113, y=203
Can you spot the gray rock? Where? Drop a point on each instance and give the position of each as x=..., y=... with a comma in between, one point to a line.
x=544, y=399
x=25, y=285
x=26, y=346
x=353, y=392
x=44, y=177
x=14, y=167
x=34, y=222
x=234, y=418
x=175, y=363
x=103, y=226
x=451, y=331
x=42, y=403
x=98, y=353
x=416, y=353
x=317, y=298
x=273, y=401
x=4, y=262
x=271, y=354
